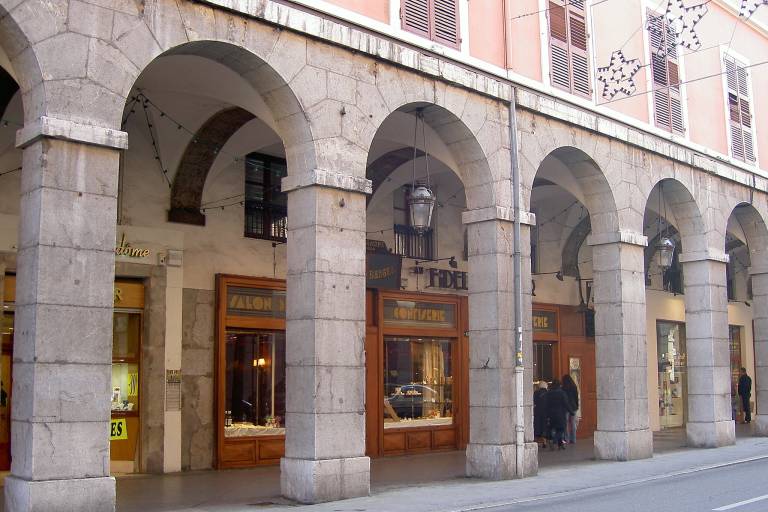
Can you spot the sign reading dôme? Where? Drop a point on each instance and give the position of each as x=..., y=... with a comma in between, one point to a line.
x=419, y=314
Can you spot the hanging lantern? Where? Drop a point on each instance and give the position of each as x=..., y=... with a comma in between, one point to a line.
x=666, y=250
x=421, y=202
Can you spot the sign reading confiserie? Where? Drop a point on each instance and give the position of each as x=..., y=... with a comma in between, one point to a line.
x=544, y=321
x=419, y=314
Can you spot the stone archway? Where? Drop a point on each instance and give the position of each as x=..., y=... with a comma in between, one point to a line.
x=755, y=232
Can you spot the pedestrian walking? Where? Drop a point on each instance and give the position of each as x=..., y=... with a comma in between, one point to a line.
x=540, y=413
x=572, y=420
x=558, y=406
x=745, y=392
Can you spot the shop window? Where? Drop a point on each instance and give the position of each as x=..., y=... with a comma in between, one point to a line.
x=734, y=345
x=125, y=427
x=266, y=207
x=418, y=382
x=254, y=383
x=437, y=20
x=673, y=385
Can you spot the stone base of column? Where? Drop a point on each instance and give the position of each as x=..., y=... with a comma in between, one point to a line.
x=316, y=481
x=75, y=495
x=498, y=462
x=710, y=434
x=761, y=424
x=621, y=446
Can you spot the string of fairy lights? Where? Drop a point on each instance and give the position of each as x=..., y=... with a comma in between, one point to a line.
x=675, y=27
x=151, y=113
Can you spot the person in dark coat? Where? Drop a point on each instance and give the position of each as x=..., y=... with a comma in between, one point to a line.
x=572, y=421
x=745, y=392
x=540, y=412
x=558, y=406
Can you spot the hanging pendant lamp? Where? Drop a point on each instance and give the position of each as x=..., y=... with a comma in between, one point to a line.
x=665, y=247
x=421, y=200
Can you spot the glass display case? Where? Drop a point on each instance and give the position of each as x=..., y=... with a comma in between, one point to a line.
x=673, y=385
x=418, y=382
x=255, y=383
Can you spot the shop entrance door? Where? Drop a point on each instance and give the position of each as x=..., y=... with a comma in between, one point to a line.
x=579, y=362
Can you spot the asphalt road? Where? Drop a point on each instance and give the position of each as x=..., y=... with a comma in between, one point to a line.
x=725, y=489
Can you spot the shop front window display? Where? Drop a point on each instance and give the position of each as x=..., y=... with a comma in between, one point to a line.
x=673, y=383
x=255, y=383
x=126, y=336
x=418, y=381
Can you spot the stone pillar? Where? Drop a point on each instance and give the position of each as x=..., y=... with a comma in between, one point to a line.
x=63, y=338
x=621, y=359
x=760, y=336
x=325, y=335
x=492, y=449
x=709, y=422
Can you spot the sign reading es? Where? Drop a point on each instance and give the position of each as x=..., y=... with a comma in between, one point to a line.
x=118, y=430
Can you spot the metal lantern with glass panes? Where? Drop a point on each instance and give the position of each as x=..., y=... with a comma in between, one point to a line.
x=421, y=202
x=666, y=250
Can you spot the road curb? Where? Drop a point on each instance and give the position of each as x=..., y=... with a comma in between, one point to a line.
x=626, y=483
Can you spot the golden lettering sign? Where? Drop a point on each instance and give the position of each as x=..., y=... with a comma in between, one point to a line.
x=256, y=303
x=544, y=321
x=125, y=248
x=432, y=314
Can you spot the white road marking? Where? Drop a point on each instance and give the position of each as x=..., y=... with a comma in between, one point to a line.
x=739, y=504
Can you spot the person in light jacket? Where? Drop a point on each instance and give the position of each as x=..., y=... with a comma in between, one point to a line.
x=572, y=391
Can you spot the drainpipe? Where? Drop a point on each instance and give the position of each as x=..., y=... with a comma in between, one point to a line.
x=517, y=257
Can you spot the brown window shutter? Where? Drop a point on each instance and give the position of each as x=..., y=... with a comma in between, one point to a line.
x=558, y=44
x=446, y=22
x=568, y=47
x=739, y=110
x=667, y=99
x=577, y=26
x=414, y=15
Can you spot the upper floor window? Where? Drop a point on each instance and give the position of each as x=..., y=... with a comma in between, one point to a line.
x=568, y=47
x=665, y=69
x=437, y=20
x=266, y=207
x=739, y=110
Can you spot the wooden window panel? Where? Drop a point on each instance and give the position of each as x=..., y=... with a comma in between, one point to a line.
x=667, y=98
x=568, y=47
x=739, y=111
x=436, y=20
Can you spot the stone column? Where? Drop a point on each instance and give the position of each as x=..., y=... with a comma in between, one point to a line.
x=709, y=422
x=621, y=358
x=492, y=449
x=760, y=336
x=63, y=338
x=325, y=335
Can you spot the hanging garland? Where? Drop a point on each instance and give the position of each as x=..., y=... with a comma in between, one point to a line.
x=619, y=75
x=748, y=7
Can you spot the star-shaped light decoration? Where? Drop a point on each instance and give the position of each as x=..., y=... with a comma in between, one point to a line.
x=682, y=21
x=748, y=7
x=618, y=76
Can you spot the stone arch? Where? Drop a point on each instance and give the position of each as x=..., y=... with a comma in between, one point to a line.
x=288, y=118
x=463, y=151
x=755, y=231
x=686, y=215
x=18, y=53
x=196, y=162
x=575, y=171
